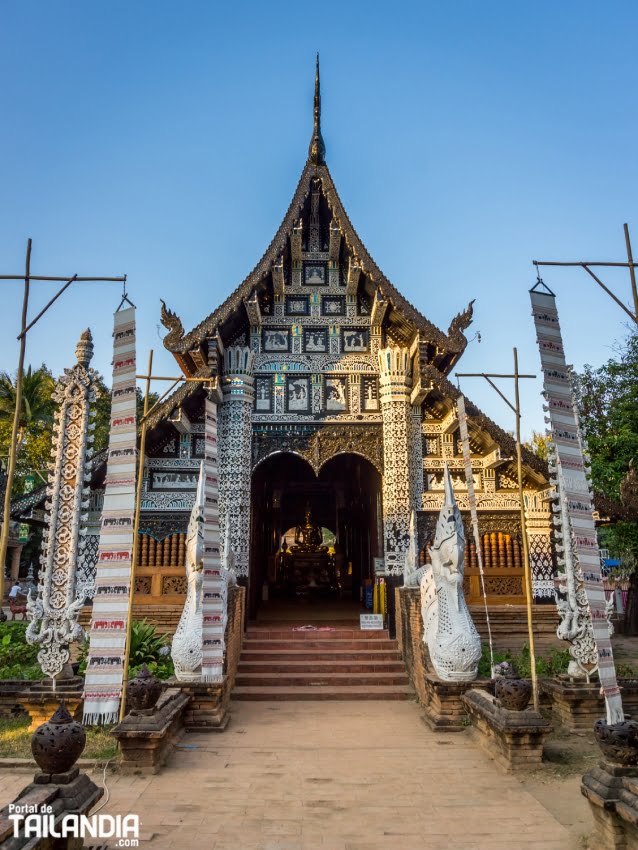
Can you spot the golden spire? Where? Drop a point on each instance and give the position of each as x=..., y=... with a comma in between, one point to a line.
x=317, y=149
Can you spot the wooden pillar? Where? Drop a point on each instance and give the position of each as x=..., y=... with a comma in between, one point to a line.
x=16, y=552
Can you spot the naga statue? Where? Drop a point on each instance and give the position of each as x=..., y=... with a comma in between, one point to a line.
x=451, y=637
x=186, y=650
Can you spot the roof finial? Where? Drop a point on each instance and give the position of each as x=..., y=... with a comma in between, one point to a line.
x=317, y=150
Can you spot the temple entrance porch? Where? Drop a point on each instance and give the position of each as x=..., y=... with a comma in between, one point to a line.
x=313, y=537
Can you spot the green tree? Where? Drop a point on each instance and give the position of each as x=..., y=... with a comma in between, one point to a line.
x=35, y=425
x=37, y=405
x=537, y=444
x=608, y=404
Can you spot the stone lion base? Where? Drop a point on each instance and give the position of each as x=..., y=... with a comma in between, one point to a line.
x=40, y=701
x=147, y=738
x=515, y=739
x=444, y=710
x=577, y=705
x=612, y=793
x=208, y=707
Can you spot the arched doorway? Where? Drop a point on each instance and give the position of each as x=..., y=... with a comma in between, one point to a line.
x=344, y=501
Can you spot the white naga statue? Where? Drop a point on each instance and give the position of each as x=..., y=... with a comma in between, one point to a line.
x=186, y=650
x=451, y=637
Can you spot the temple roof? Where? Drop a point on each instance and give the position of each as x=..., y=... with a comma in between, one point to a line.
x=446, y=348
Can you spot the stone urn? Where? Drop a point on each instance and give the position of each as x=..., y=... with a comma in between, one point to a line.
x=513, y=694
x=618, y=741
x=143, y=690
x=57, y=744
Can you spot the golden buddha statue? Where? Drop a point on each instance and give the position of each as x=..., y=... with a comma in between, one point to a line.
x=308, y=537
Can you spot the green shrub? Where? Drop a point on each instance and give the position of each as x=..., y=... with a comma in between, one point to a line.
x=552, y=665
x=146, y=644
x=484, y=668
x=149, y=647
x=18, y=659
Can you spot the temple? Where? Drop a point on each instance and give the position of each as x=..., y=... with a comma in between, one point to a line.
x=337, y=419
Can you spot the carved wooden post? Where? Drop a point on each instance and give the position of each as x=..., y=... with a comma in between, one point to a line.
x=539, y=534
x=235, y=434
x=395, y=380
x=54, y=612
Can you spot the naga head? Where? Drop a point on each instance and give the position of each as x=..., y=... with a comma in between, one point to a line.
x=195, y=531
x=448, y=548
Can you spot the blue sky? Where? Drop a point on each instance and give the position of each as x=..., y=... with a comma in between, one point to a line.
x=164, y=140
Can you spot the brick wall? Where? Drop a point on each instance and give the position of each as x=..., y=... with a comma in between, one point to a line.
x=234, y=635
x=410, y=638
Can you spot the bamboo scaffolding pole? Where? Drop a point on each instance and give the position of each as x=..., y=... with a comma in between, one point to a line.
x=13, y=448
x=527, y=572
x=156, y=550
x=66, y=277
x=136, y=528
x=586, y=265
x=25, y=327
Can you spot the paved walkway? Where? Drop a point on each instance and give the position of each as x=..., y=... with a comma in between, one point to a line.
x=330, y=776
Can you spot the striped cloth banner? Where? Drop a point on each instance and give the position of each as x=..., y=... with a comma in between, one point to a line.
x=574, y=485
x=214, y=595
x=105, y=664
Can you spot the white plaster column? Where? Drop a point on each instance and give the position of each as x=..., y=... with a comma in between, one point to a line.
x=235, y=438
x=395, y=381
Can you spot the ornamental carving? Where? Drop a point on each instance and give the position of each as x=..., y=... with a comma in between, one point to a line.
x=174, y=585
x=143, y=584
x=317, y=446
x=54, y=611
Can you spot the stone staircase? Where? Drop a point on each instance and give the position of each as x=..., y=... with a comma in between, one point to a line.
x=279, y=663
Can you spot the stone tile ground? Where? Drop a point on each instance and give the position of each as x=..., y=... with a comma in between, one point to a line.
x=338, y=776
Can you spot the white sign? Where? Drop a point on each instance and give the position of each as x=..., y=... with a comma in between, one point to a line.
x=371, y=622
x=379, y=566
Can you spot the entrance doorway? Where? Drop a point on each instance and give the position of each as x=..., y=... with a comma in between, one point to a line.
x=313, y=537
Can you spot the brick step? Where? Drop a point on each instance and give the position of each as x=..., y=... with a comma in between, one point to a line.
x=338, y=634
x=319, y=667
x=316, y=655
x=313, y=680
x=326, y=645
x=370, y=692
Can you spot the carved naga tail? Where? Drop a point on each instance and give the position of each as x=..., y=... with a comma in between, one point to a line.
x=459, y=324
x=173, y=323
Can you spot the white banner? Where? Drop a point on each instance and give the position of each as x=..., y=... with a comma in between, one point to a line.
x=105, y=664
x=574, y=485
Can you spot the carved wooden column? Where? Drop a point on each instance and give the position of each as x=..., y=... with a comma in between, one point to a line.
x=395, y=381
x=416, y=458
x=235, y=435
x=538, y=520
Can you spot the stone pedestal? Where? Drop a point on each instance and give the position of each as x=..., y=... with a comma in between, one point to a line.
x=40, y=701
x=612, y=793
x=207, y=710
x=443, y=706
x=515, y=739
x=148, y=737
x=577, y=705
x=627, y=810
x=64, y=793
